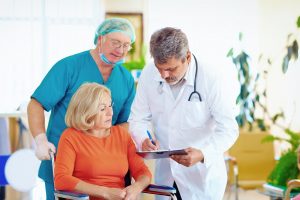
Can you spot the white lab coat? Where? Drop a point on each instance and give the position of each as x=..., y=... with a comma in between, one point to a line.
x=209, y=125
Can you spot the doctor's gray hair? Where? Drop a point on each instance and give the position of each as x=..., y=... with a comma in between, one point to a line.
x=167, y=43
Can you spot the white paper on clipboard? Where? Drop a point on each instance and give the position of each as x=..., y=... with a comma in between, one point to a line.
x=160, y=153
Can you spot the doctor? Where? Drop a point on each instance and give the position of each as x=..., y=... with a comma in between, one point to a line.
x=189, y=107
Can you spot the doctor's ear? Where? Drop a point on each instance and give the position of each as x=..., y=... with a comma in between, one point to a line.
x=188, y=56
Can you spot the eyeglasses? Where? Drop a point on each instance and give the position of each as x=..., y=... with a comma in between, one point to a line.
x=117, y=44
x=103, y=107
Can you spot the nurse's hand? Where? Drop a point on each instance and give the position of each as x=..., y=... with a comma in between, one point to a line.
x=147, y=145
x=43, y=147
x=193, y=156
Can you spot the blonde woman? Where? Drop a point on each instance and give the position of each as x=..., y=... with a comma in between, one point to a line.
x=93, y=156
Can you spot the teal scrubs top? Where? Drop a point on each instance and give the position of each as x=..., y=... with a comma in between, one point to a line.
x=57, y=88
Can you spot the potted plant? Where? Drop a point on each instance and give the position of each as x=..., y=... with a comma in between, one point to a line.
x=287, y=166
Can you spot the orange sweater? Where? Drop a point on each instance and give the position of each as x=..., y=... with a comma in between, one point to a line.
x=99, y=161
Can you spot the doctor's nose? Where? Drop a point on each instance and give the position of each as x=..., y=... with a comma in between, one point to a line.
x=164, y=74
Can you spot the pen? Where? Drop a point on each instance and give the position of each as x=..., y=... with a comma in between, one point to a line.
x=150, y=137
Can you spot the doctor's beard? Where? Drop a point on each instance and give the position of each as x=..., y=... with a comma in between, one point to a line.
x=174, y=80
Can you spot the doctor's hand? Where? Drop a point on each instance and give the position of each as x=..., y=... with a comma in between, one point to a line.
x=193, y=156
x=43, y=147
x=147, y=145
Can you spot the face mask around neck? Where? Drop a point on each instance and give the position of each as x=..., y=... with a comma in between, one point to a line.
x=105, y=60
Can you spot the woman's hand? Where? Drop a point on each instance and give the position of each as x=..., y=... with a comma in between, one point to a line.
x=133, y=191
x=114, y=194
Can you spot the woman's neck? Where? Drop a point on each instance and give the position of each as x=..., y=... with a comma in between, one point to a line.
x=100, y=133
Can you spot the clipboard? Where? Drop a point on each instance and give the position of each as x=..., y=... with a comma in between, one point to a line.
x=160, y=153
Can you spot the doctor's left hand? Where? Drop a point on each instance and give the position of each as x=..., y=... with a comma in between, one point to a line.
x=193, y=156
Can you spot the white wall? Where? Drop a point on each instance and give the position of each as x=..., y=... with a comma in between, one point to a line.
x=211, y=26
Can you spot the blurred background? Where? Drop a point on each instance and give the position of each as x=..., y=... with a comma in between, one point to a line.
x=255, y=40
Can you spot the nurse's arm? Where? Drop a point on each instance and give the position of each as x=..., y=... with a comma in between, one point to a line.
x=36, y=117
x=36, y=120
x=193, y=157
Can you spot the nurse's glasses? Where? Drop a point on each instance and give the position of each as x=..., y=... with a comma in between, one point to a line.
x=118, y=44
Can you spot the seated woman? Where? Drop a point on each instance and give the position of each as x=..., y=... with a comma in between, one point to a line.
x=93, y=156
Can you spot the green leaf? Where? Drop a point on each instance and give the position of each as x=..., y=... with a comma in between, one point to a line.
x=264, y=93
x=270, y=138
x=290, y=52
x=294, y=139
x=285, y=169
x=261, y=124
x=269, y=61
x=295, y=49
x=230, y=53
x=257, y=97
x=285, y=64
x=298, y=22
x=277, y=116
x=240, y=36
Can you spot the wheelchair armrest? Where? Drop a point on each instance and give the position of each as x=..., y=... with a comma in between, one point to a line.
x=160, y=190
x=151, y=189
x=70, y=195
x=294, y=183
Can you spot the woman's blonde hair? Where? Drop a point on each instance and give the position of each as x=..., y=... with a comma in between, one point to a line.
x=85, y=105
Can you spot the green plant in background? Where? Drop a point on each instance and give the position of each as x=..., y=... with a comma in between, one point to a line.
x=251, y=97
x=286, y=168
x=292, y=49
x=293, y=139
x=246, y=97
x=136, y=64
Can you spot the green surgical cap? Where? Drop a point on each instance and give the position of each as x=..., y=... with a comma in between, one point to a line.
x=115, y=25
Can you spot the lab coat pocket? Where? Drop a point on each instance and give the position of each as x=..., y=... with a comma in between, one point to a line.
x=194, y=115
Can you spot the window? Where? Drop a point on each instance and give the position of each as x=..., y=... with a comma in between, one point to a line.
x=36, y=34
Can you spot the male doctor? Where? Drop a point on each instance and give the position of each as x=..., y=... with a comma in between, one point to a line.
x=189, y=107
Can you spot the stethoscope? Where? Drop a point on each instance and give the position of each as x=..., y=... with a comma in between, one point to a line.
x=194, y=94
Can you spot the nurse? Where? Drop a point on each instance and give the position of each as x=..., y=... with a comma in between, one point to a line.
x=189, y=106
x=102, y=65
